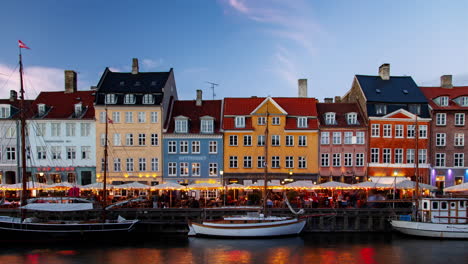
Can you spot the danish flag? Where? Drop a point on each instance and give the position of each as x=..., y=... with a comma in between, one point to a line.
x=22, y=45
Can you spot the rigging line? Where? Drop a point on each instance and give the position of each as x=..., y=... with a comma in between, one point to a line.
x=9, y=76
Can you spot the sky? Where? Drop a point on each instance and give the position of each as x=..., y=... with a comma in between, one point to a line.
x=247, y=47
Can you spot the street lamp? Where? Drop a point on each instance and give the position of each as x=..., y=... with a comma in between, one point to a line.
x=224, y=187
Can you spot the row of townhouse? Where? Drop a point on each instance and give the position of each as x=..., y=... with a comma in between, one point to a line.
x=383, y=126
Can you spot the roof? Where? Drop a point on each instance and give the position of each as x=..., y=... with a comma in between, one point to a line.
x=121, y=83
x=398, y=89
x=433, y=92
x=340, y=110
x=14, y=113
x=61, y=105
x=189, y=109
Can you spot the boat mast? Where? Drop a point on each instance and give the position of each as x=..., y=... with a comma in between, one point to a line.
x=416, y=154
x=104, y=194
x=24, y=178
x=265, y=176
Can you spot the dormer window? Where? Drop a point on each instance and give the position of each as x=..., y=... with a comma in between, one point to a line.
x=240, y=121
x=181, y=124
x=207, y=125
x=351, y=118
x=148, y=99
x=443, y=101
x=5, y=111
x=78, y=109
x=330, y=118
x=129, y=99
x=464, y=101
x=415, y=109
x=302, y=122
x=137, y=83
x=380, y=109
x=111, y=99
x=41, y=108
x=153, y=83
x=122, y=83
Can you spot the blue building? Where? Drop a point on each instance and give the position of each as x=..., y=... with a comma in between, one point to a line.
x=193, y=143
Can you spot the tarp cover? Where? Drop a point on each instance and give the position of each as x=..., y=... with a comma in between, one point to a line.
x=59, y=206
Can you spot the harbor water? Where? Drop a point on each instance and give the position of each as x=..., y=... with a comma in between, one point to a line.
x=327, y=248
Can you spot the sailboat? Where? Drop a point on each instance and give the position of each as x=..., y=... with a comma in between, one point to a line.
x=253, y=224
x=36, y=228
x=434, y=217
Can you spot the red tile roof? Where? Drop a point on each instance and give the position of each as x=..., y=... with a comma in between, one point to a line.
x=16, y=104
x=340, y=110
x=455, y=92
x=188, y=108
x=61, y=105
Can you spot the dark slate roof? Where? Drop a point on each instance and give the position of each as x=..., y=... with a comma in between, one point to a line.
x=61, y=105
x=189, y=109
x=399, y=89
x=122, y=83
x=340, y=110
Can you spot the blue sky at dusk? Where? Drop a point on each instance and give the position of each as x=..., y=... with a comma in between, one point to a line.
x=250, y=48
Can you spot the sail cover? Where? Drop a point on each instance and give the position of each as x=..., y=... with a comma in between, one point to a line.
x=54, y=207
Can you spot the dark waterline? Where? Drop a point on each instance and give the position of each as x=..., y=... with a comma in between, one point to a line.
x=310, y=248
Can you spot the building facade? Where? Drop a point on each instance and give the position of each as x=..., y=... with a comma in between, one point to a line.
x=193, y=143
x=448, y=154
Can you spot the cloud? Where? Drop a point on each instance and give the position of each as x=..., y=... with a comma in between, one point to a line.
x=285, y=67
x=151, y=64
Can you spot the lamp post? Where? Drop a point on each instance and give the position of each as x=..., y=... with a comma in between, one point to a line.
x=224, y=187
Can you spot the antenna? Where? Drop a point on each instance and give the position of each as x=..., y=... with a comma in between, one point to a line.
x=212, y=88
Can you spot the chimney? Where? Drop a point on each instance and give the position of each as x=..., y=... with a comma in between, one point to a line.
x=446, y=81
x=337, y=99
x=199, y=98
x=302, y=83
x=328, y=100
x=135, y=66
x=13, y=95
x=70, y=81
x=384, y=71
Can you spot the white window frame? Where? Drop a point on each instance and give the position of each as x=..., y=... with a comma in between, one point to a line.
x=441, y=119
x=324, y=138
x=302, y=122
x=399, y=129
x=375, y=130
x=459, y=119
x=129, y=99
x=387, y=131
x=213, y=147
x=289, y=140
x=240, y=121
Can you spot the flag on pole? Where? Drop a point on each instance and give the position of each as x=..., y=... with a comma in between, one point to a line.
x=110, y=121
x=22, y=45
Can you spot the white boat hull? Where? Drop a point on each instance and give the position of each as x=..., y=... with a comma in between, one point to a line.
x=259, y=229
x=431, y=229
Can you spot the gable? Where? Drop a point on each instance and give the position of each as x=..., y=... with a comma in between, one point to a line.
x=400, y=114
x=269, y=106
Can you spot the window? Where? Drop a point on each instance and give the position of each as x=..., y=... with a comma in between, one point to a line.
x=289, y=141
x=213, y=147
x=464, y=101
x=240, y=121
x=375, y=130
x=325, y=138
x=289, y=162
x=441, y=119
x=207, y=126
x=128, y=117
x=422, y=156
x=41, y=153
x=410, y=131
x=398, y=155
x=380, y=109
x=196, y=147
x=247, y=140
x=302, y=141
x=325, y=160
x=103, y=140
x=440, y=160
x=276, y=121
x=443, y=101
x=387, y=130
x=55, y=130
x=71, y=153
x=261, y=121
x=330, y=119
x=302, y=163
x=459, y=119
x=458, y=159
x=183, y=146
x=116, y=117
x=360, y=138
x=172, y=169
x=129, y=99
x=154, y=164
x=261, y=141
x=336, y=138
x=181, y=126
x=129, y=164
x=141, y=164
x=440, y=139
x=141, y=117
x=302, y=122
x=41, y=129
x=399, y=131
x=459, y=139
x=351, y=118
x=196, y=169
x=148, y=99
x=275, y=162
x=154, y=140
x=410, y=156
x=70, y=129
x=85, y=152
x=129, y=139
x=103, y=164
x=375, y=155
x=11, y=153
x=56, y=152
x=423, y=131
x=5, y=112
x=117, y=165
x=154, y=117
x=386, y=155
x=415, y=109
x=247, y=162
x=336, y=159
x=359, y=159
x=117, y=139
x=213, y=169
x=261, y=162
x=141, y=139
x=348, y=137
x=233, y=140
x=11, y=132
x=348, y=159
x=111, y=99
x=232, y=161
x=275, y=140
